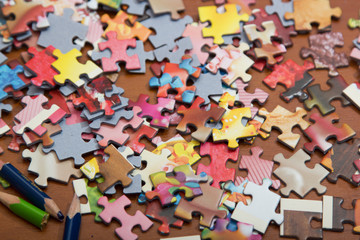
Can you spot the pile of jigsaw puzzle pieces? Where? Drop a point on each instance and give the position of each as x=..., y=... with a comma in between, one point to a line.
x=76, y=121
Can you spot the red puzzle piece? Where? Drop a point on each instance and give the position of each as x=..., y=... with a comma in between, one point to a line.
x=219, y=154
x=117, y=210
x=118, y=53
x=257, y=168
x=93, y=96
x=115, y=134
x=282, y=32
x=136, y=136
x=287, y=74
x=154, y=111
x=57, y=98
x=323, y=129
x=40, y=65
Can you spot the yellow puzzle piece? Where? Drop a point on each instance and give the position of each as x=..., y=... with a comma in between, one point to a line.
x=71, y=69
x=222, y=23
x=233, y=128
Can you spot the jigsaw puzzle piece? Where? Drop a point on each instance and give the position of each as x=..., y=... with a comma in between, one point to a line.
x=284, y=120
x=280, y=7
x=297, y=176
x=116, y=210
x=352, y=92
x=164, y=6
x=10, y=77
x=142, y=55
x=261, y=210
x=136, y=7
x=135, y=137
x=323, y=129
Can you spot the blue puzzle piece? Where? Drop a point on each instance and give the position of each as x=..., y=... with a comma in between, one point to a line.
x=9, y=77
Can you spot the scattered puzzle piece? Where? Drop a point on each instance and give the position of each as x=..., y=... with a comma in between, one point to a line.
x=49, y=166
x=136, y=7
x=71, y=69
x=182, y=178
x=206, y=205
x=323, y=129
x=261, y=210
x=33, y=115
x=280, y=8
x=267, y=50
x=62, y=32
x=154, y=111
x=207, y=85
x=116, y=210
x=352, y=92
x=9, y=77
x=307, y=12
x=70, y=144
x=219, y=154
x=297, y=176
x=142, y=55
x=257, y=168
x=340, y=161
x=175, y=55
x=322, y=51
x=137, y=135
x=284, y=120
x=197, y=117
x=31, y=138
x=233, y=127
x=298, y=215
x=164, y=6
x=222, y=23
x=298, y=89
x=321, y=99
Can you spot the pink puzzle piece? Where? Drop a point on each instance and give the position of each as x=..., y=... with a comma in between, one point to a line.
x=219, y=154
x=323, y=129
x=115, y=134
x=118, y=53
x=194, y=31
x=154, y=111
x=33, y=115
x=117, y=210
x=247, y=98
x=257, y=168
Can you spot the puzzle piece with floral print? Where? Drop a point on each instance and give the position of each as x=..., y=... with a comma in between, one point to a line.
x=194, y=32
x=297, y=176
x=282, y=33
x=123, y=30
x=70, y=69
x=25, y=13
x=267, y=49
x=233, y=128
x=257, y=168
x=224, y=23
x=118, y=53
x=175, y=76
x=33, y=115
x=323, y=52
x=115, y=134
x=233, y=61
x=284, y=120
x=93, y=96
x=10, y=77
x=219, y=154
x=116, y=210
x=40, y=65
x=182, y=152
x=321, y=99
x=154, y=111
x=247, y=99
x=197, y=117
x=166, y=185
x=307, y=12
x=206, y=205
x=323, y=129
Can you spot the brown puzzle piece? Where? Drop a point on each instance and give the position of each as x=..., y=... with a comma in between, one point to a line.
x=115, y=169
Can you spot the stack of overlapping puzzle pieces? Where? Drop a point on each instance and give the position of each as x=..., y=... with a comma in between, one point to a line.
x=169, y=106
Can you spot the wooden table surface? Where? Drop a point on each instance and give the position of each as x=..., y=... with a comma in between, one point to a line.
x=134, y=84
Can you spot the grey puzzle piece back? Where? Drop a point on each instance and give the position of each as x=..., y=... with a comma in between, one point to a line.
x=280, y=8
x=136, y=7
x=142, y=54
x=207, y=85
x=62, y=31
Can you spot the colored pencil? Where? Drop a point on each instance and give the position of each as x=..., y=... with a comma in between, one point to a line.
x=73, y=220
x=25, y=210
x=27, y=188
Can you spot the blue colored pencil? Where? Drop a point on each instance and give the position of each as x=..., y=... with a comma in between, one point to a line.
x=73, y=220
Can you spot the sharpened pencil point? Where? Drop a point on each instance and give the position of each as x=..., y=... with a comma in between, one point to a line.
x=60, y=216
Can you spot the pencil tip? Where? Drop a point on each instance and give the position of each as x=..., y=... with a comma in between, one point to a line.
x=60, y=216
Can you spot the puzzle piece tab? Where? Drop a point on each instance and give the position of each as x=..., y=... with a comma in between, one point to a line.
x=9, y=77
